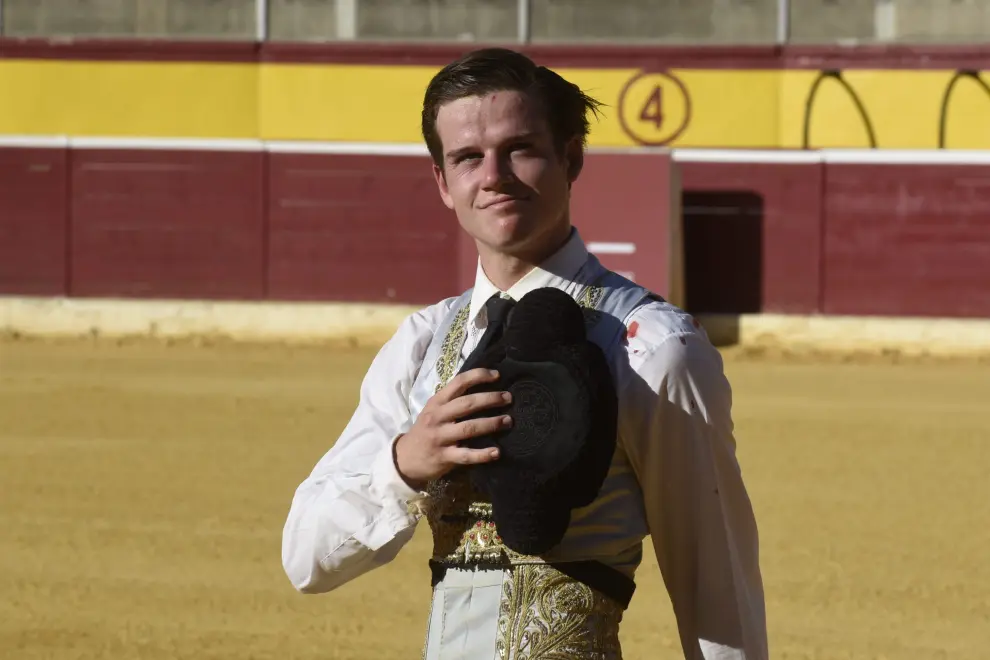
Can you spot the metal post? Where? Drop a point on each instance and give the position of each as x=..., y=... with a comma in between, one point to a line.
x=884, y=20
x=346, y=19
x=260, y=19
x=524, y=10
x=783, y=21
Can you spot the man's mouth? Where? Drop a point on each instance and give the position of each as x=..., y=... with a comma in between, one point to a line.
x=504, y=200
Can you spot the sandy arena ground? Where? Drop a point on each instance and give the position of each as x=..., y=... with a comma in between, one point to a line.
x=145, y=486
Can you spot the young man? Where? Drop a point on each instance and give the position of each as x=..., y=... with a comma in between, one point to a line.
x=507, y=140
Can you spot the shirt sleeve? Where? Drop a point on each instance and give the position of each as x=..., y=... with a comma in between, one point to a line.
x=679, y=438
x=354, y=512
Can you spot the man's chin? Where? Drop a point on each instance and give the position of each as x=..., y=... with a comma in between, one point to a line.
x=508, y=239
x=509, y=234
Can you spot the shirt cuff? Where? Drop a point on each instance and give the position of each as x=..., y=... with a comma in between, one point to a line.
x=389, y=484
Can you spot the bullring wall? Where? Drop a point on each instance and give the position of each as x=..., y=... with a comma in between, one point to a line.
x=780, y=232
x=811, y=180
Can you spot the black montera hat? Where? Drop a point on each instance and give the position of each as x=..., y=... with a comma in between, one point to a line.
x=557, y=453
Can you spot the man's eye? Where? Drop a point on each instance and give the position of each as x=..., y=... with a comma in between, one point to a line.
x=468, y=158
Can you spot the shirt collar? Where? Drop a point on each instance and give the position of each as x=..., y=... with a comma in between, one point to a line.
x=562, y=266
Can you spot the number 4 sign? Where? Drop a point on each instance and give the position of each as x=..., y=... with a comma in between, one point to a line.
x=654, y=108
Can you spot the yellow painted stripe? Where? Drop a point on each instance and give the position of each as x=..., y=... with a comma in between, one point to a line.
x=128, y=99
x=378, y=103
x=342, y=103
x=903, y=106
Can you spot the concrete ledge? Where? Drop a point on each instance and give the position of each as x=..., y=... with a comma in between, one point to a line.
x=875, y=334
x=353, y=324
x=369, y=325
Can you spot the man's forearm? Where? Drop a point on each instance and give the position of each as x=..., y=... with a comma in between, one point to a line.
x=343, y=523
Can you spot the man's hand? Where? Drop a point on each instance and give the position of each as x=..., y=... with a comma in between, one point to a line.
x=429, y=450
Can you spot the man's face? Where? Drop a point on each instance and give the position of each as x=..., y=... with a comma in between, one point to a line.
x=501, y=174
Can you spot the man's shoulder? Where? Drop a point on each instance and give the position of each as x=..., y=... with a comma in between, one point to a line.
x=648, y=314
x=657, y=321
x=665, y=344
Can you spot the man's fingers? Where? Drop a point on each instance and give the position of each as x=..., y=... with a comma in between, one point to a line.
x=462, y=382
x=468, y=404
x=473, y=428
x=464, y=456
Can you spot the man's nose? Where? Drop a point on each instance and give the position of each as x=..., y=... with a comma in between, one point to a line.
x=496, y=171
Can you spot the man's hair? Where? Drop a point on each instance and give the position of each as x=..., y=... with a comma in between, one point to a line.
x=488, y=70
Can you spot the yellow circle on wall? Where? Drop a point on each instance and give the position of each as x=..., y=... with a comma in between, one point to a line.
x=654, y=108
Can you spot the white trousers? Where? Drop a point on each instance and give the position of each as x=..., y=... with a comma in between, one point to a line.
x=533, y=612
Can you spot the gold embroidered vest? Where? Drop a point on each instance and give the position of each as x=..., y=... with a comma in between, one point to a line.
x=544, y=612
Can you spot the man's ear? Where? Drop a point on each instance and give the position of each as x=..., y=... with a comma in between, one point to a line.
x=441, y=179
x=574, y=155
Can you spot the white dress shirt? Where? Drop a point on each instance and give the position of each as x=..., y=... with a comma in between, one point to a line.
x=354, y=512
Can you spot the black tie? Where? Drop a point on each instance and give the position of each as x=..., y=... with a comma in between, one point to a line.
x=497, y=309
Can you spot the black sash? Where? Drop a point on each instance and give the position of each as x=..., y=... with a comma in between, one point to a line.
x=600, y=577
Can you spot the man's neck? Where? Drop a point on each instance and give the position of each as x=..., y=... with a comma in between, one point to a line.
x=504, y=270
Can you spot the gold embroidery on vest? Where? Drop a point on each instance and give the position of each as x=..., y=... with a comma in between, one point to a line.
x=547, y=615
x=591, y=296
x=459, y=518
x=544, y=614
x=462, y=526
x=588, y=300
x=450, y=350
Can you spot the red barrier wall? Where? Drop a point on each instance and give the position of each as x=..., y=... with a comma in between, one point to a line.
x=907, y=240
x=34, y=221
x=763, y=236
x=373, y=228
x=752, y=236
x=252, y=225
x=167, y=224
x=627, y=201
x=359, y=228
